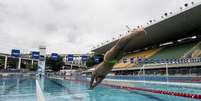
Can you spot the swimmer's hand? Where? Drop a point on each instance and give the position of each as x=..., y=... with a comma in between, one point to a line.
x=91, y=88
x=96, y=79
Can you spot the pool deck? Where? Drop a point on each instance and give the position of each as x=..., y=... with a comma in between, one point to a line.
x=198, y=85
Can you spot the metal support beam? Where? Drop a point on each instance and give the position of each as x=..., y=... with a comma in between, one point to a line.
x=6, y=60
x=32, y=61
x=19, y=64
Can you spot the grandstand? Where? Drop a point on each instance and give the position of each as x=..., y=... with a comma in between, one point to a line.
x=155, y=60
x=142, y=54
x=161, y=54
x=173, y=42
x=175, y=51
x=181, y=58
x=173, y=28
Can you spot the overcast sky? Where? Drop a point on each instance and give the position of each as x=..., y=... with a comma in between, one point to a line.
x=73, y=26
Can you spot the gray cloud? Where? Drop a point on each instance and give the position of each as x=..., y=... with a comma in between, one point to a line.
x=67, y=26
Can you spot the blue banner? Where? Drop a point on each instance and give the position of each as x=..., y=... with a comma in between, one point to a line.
x=84, y=58
x=139, y=60
x=146, y=61
x=70, y=57
x=35, y=55
x=15, y=53
x=96, y=59
x=54, y=56
x=132, y=60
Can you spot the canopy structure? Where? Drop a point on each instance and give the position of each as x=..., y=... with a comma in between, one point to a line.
x=181, y=25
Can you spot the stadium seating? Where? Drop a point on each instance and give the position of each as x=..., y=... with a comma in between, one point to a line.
x=194, y=52
x=142, y=55
x=166, y=52
x=173, y=52
x=121, y=65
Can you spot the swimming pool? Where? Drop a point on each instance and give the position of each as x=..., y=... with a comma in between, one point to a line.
x=17, y=89
x=24, y=89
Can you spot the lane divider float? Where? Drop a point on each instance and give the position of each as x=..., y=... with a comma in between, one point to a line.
x=164, y=92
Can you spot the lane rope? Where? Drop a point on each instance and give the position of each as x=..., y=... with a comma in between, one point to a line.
x=164, y=92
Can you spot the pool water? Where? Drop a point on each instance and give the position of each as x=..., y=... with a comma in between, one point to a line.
x=23, y=89
x=17, y=89
x=167, y=87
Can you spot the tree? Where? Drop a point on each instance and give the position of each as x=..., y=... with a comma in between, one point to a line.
x=55, y=64
x=34, y=67
x=91, y=60
x=1, y=63
x=12, y=63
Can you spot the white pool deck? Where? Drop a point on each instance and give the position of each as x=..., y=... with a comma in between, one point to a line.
x=125, y=82
x=116, y=81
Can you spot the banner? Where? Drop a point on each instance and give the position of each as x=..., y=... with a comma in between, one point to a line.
x=15, y=53
x=54, y=56
x=97, y=59
x=70, y=57
x=139, y=60
x=84, y=58
x=132, y=60
x=146, y=61
x=35, y=55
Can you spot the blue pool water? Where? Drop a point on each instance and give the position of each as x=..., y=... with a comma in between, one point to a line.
x=24, y=89
x=17, y=89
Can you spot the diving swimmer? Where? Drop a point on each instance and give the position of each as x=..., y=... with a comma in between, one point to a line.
x=111, y=57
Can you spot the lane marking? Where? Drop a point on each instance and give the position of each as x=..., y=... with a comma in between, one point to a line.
x=39, y=93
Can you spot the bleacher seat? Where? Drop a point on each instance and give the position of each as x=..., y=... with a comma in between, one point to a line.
x=173, y=52
x=143, y=55
x=168, y=54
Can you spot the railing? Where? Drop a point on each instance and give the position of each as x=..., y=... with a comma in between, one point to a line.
x=160, y=62
x=157, y=78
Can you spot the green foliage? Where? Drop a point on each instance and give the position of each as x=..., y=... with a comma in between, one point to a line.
x=111, y=63
x=55, y=65
x=98, y=54
x=1, y=63
x=12, y=63
x=90, y=62
x=34, y=68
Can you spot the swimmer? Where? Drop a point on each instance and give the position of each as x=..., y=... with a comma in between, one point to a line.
x=111, y=57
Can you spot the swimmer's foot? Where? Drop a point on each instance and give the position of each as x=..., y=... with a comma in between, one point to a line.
x=91, y=88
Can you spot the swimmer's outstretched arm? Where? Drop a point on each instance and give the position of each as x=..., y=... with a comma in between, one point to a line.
x=99, y=73
x=120, y=45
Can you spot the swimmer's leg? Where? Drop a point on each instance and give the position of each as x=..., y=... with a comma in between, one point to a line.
x=92, y=81
x=98, y=80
